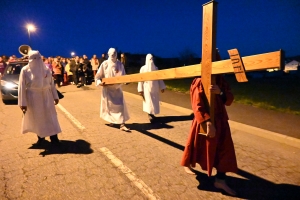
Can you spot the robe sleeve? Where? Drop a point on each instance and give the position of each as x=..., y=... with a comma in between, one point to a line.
x=227, y=91
x=53, y=89
x=198, y=106
x=140, y=87
x=100, y=74
x=123, y=70
x=229, y=98
x=22, y=97
x=161, y=84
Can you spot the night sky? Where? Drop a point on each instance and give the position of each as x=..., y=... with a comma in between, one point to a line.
x=164, y=28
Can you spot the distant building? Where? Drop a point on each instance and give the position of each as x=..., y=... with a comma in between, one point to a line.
x=291, y=66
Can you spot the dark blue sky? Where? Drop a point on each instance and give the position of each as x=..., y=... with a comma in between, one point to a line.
x=164, y=28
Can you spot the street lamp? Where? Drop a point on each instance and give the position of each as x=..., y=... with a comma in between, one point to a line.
x=30, y=28
x=72, y=54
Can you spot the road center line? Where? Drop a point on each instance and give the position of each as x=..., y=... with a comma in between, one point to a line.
x=73, y=119
x=130, y=175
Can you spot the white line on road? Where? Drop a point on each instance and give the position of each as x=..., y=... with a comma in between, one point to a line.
x=73, y=119
x=130, y=175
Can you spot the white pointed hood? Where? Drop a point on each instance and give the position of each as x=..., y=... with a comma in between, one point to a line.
x=112, y=55
x=37, y=67
x=150, y=66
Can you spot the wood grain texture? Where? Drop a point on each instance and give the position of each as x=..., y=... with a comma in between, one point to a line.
x=208, y=56
x=265, y=61
x=238, y=66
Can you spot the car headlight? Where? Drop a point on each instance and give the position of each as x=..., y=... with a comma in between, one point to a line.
x=8, y=85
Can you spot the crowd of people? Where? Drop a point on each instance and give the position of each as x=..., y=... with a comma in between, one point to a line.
x=79, y=71
x=213, y=150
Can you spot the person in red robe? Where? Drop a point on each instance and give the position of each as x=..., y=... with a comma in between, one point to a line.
x=216, y=148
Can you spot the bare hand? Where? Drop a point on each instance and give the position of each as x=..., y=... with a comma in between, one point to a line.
x=56, y=101
x=214, y=89
x=102, y=84
x=162, y=90
x=211, y=130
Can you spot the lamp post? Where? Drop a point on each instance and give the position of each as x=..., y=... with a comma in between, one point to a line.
x=72, y=54
x=30, y=28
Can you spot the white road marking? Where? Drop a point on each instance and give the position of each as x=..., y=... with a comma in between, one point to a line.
x=130, y=175
x=73, y=119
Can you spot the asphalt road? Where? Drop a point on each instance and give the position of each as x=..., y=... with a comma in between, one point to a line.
x=282, y=123
x=95, y=161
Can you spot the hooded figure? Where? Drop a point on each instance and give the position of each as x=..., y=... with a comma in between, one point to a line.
x=113, y=108
x=37, y=97
x=216, y=148
x=150, y=89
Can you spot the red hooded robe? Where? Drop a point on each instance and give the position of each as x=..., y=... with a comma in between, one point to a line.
x=215, y=152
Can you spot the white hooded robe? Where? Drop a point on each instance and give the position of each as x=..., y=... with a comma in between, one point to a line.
x=37, y=91
x=150, y=89
x=113, y=107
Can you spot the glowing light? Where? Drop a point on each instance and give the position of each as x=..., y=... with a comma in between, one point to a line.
x=30, y=27
x=8, y=85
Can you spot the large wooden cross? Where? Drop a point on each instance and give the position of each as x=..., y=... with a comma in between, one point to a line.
x=209, y=67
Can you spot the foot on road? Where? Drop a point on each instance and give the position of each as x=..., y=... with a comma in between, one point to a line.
x=110, y=124
x=124, y=128
x=40, y=141
x=189, y=170
x=221, y=184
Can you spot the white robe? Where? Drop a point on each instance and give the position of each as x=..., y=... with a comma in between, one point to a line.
x=151, y=91
x=38, y=94
x=113, y=107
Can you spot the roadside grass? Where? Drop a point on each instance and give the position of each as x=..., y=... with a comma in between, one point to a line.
x=179, y=85
x=281, y=94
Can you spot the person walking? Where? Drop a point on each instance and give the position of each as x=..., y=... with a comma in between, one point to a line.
x=149, y=90
x=37, y=96
x=216, y=149
x=113, y=107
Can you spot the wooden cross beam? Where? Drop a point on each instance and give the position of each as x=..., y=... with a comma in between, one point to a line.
x=265, y=61
x=208, y=56
x=209, y=66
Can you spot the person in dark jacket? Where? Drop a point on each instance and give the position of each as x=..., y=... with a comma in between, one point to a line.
x=74, y=65
x=102, y=59
x=88, y=71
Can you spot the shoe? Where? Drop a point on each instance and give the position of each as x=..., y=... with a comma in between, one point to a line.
x=40, y=141
x=151, y=118
x=221, y=184
x=110, y=124
x=124, y=128
x=54, y=140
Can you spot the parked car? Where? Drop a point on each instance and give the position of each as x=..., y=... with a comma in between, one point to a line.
x=10, y=80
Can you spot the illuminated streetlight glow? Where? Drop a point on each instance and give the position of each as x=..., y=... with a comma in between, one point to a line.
x=30, y=28
x=72, y=54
